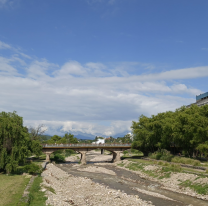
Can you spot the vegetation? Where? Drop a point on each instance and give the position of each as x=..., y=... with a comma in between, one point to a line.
x=32, y=168
x=66, y=139
x=199, y=188
x=36, y=197
x=15, y=142
x=12, y=188
x=185, y=130
x=126, y=139
x=166, y=156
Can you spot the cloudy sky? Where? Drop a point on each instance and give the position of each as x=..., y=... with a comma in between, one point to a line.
x=93, y=66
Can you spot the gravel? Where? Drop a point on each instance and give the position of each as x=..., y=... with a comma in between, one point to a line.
x=70, y=190
x=173, y=182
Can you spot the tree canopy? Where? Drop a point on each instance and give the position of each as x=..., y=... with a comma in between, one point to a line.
x=185, y=129
x=15, y=143
x=66, y=139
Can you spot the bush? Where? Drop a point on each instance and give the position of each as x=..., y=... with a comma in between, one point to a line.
x=125, y=152
x=59, y=158
x=58, y=152
x=153, y=155
x=161, y=155
x=32, y=168
x=69, y=152
x=135, y=151
x=160, y=163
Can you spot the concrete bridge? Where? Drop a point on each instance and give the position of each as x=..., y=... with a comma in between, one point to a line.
x=116, y=149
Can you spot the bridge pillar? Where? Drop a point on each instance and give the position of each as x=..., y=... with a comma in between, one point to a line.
x=83, y=157
x=102, y=151
x=116, y=156
x=48, y=156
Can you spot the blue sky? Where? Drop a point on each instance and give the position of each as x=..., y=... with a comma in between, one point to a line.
x=93, y=66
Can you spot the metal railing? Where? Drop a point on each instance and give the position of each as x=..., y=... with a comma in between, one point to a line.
x=86, y=145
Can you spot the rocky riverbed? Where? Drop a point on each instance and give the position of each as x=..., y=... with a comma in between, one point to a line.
x=103, y=183
x=71, y=190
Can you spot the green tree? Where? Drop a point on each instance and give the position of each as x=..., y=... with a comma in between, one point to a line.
x=55, y=139
x=69, y=138
x=14, y=141
x=185, y=129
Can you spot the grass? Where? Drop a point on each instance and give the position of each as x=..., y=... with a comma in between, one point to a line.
x=140, y=166
x=36, y=197
x=50, y=189
x=11, y=189
x=163, y=172
x=199, y=188
x=184, y=160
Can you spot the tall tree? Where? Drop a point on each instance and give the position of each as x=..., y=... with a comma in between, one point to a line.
x=14, y=141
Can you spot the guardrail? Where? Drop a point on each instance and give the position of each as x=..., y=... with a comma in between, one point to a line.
x=85, y=145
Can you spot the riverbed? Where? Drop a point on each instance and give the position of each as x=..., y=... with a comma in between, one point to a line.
x=101, y=171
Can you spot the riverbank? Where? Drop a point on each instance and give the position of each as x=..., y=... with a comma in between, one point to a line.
x=149, y=183
x=71, y=190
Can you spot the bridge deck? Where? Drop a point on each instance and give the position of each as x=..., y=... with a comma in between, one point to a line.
x=85, y=146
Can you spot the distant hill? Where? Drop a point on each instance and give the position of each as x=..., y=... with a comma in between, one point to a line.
x=80, y=135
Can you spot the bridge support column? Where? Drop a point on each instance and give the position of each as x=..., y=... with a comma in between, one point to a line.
x=116, y=156
x=83, y=157
x=102, y=151
x=48, y=156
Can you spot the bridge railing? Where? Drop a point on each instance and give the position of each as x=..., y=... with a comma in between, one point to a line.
x=85, y=145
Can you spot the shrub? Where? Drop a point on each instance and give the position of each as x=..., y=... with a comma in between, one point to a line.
x=32, y=168
x=125, y=152
x=135, y=151
x=160, y=163
x=166, y=157
x=58, y=158
x=154, y=156
x=69, y=152
x=161, y=155
x=176, y=159
x=58, y=152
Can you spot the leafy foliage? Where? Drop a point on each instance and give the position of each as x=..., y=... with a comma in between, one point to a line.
x=67, y=139
x=32, y=168
x=15, y=143
x=186, y=130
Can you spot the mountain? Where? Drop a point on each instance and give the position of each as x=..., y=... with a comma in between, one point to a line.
x=81, y=135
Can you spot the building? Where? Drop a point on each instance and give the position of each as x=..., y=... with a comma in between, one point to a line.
x=201, y=100
x=99, y=141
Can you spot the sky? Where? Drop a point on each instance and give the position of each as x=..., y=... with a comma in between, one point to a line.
x=94, y=66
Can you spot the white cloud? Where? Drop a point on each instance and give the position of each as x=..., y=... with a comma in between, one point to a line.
x=4, y=3
x=187, y=73
x=2, y=44
x=79, y=97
